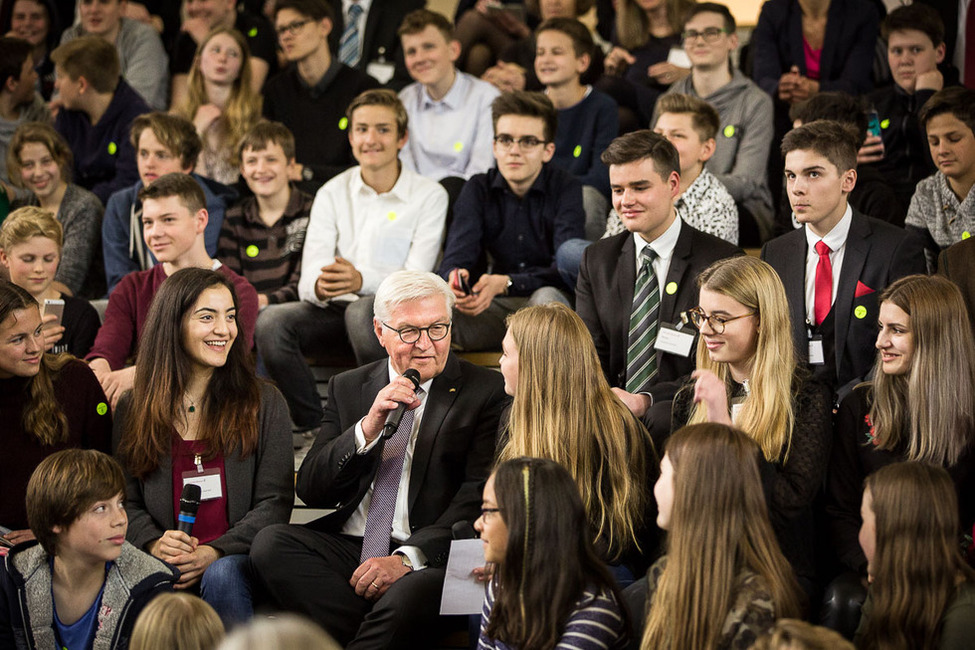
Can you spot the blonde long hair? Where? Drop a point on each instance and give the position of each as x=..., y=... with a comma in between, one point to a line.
x=564, y=410
x=718, y=527
x=243, y=109
x=929, y=412
x=633, y=25
x=767, y=414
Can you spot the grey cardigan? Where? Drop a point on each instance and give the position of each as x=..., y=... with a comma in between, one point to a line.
x=260, y=488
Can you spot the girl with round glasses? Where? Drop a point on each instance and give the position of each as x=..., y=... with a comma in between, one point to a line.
x=747, y=376
x=549, y=586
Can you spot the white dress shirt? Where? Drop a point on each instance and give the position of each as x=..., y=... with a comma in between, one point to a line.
x=836, y=240
x=453, y=136
x=356, y=523
x=664, y=247
x=377, y=233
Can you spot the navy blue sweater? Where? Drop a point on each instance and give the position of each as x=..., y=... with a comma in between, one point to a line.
x=585, y=130
x=104, y=158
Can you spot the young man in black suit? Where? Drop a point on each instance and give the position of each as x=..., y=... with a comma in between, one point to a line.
x=836, y=265
x=370, y=44
x=644, y=176
x=371, y=572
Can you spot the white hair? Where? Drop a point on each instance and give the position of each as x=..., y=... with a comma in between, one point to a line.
x=281, y=633
x=406, y=286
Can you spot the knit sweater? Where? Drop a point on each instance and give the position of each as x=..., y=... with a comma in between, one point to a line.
x=82, y=269
x=129, y=305
x=83, y=403
x=585, y=130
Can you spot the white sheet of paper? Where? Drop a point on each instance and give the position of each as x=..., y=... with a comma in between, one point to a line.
x=461, y=593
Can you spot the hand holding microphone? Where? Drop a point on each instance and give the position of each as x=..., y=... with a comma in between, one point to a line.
x=390, y=404
x=174, y=543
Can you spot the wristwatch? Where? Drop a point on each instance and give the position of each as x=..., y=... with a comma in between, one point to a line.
x=407, y=562
x=507, y=287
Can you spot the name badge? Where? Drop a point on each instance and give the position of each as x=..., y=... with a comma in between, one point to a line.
x=675, y=341
x=816, y=356
x=209, y=482
x=380, y=71
x=736, y=405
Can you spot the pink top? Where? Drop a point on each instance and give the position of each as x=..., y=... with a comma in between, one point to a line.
x=812, y=59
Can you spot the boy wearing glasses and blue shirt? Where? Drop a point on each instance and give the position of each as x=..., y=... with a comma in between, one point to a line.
x=518, y=214
x=742, y=146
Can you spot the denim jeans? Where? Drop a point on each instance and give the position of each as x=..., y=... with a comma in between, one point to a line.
x=226, y=586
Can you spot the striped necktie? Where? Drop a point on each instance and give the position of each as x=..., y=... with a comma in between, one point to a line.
x=385, y=487
x=349, y=45
x=641, y=357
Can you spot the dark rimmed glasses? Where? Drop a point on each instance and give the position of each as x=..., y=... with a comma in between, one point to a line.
x=410, y=334
x=717, y=323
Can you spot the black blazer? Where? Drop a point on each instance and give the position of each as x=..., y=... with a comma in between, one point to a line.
x=877, y=253
x=957, y=263
x=451, y=460
x=604, y=299
x=382, y=21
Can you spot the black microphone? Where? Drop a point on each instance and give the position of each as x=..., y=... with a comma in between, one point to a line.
x=394, y=417
x=189, y=503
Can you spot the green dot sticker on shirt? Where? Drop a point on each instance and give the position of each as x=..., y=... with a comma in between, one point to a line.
x=458, y=146
x=252, y=250
x=252, y=32
x=344, y=123
x=391, y=216
x=112, y=148
x=671, y=288
x=729, y=131
x=966, y=235
x=860, y=312
x=102, y=408
x=577, y=151
x=884, y=124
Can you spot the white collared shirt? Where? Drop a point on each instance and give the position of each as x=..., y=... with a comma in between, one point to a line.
x=836, y=240
x=356, y=523
x=663, y=246
x=377, y=233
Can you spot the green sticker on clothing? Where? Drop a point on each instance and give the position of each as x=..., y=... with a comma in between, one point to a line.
x=729, y=131
x=344, y=123
x=671, y=288
x=577, y=151
x=252, y=32
x=860, y=312
x=112, y=148
x=884, y=124
x=102, y=408
x=966, y=235
x=252, y=250
x=458, y=146
x=391, y=216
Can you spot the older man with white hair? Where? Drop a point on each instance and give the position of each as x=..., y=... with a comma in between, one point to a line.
x=371, y=572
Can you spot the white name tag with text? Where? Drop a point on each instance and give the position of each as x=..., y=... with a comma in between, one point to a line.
x=674, y=341
x=209, y=482
x=816, y=356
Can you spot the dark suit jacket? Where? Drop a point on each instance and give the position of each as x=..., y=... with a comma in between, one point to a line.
x=848, y=48
x=380, y=37
x=877, y=253
x=604, y=299
x=451, y=460
x=957, y=263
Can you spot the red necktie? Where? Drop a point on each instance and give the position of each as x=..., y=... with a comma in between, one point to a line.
x=824, y=283
x=970, y=47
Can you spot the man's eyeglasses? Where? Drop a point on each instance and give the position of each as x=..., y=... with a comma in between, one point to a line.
x=717, y=323
x=709, y=35
x=525, y=143
x=292, y=28
x=436, y=332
